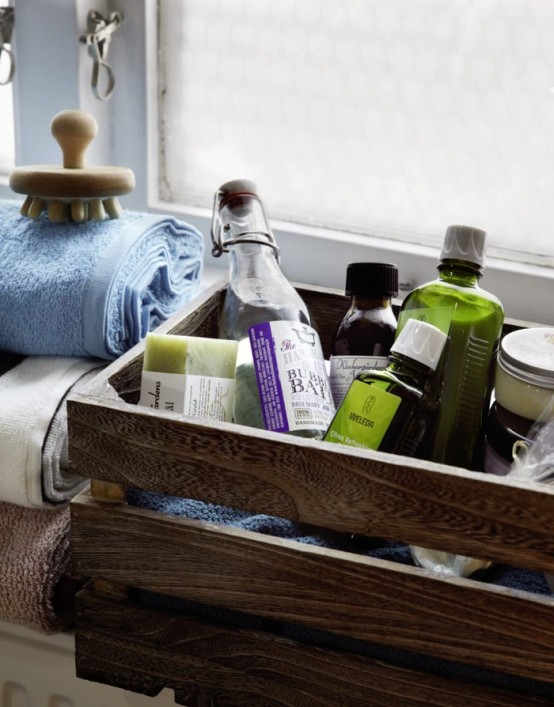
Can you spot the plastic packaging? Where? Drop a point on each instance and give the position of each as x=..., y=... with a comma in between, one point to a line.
x=504, y=429
x=535, y=460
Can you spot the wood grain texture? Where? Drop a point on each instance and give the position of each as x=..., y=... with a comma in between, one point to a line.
x=358, y=491
x=318, y=483
x=208, y=663
x=106, y=490
x=74, y=130
x=342, y=593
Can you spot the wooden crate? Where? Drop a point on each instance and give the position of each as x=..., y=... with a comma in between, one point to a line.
x=358, y=600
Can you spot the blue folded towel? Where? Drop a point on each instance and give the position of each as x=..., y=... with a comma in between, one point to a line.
x=94, y=288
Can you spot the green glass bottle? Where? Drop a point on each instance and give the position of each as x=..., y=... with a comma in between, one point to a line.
x=391, y=409
x=473, y=320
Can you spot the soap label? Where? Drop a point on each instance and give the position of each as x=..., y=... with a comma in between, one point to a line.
x=209, y=397
x=292, y=380
x=203, y=397
x=364, y=416
x=162, y=391
x=343, y=370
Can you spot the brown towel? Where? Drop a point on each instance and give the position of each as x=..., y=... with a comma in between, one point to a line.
x=35, y=590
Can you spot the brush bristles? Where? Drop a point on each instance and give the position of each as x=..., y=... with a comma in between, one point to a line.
x=75, y=210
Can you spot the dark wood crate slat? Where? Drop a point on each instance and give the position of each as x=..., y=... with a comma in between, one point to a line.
x=456, y=619
x=241, y=667
x=317, y=483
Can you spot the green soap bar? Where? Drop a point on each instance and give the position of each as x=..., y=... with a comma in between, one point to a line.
x=165, y=353
x=211, y=357
x=195, y=355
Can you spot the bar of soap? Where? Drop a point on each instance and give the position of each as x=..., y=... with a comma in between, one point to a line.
x=193, y=355
x=165, y=353
x=189, y=375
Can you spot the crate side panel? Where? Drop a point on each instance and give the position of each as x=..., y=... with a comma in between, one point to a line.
x=256, y=668
x=342, y=593
x=317, y=483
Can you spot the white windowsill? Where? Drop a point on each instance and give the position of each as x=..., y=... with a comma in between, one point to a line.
x=319, y=256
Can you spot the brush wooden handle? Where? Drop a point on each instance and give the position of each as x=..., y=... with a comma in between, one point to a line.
x=73, y=191
x=74, y=130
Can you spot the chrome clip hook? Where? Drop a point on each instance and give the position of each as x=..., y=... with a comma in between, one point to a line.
x=7, y=18
x=98, y=38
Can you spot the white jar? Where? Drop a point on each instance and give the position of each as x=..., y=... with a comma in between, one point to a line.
x=524, y=382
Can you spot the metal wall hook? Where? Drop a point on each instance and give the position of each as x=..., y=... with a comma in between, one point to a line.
x=7, y=20
x=98, y=37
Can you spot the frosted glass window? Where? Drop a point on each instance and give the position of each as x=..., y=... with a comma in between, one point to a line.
x=7, y=149
x=394, y=117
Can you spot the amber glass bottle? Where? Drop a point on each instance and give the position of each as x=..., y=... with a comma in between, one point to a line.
x=363, y=338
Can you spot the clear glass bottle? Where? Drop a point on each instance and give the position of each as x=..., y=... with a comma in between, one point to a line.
x=281, y=380
x=364, y=336
x=391, y=409
x=473, y=320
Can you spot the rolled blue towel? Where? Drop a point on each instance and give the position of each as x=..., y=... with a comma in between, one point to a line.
x=94, y=288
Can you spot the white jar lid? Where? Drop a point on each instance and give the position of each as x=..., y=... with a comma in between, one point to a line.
x=528, y=354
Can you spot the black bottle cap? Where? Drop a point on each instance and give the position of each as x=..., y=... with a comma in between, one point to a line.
x=372, y=279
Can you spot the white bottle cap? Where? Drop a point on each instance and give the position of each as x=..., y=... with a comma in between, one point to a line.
x=464, y=243
x=421, y=342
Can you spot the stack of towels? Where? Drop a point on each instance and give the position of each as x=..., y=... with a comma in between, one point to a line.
x=72, y=297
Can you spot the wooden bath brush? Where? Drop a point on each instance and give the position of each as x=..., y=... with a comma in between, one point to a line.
x=74, y=191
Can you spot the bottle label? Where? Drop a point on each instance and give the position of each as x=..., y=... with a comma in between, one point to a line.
x=292, y=381
x=364, y=416
x=204, y=397
x=441, y=317
x=343, y=370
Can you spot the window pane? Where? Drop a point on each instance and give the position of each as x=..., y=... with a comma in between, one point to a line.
x=381, y=116
x=7, y=149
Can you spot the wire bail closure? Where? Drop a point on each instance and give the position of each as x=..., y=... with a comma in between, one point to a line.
x=98, y=37
x=7, y=20
x=218, y=230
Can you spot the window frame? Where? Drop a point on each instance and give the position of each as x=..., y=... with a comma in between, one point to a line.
x=311, y=255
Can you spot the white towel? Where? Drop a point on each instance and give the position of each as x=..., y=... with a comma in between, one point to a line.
x=59, y=485
x=30, y=394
